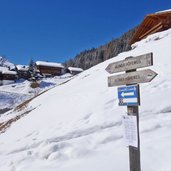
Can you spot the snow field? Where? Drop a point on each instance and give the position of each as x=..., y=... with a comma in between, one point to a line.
x=77, y=126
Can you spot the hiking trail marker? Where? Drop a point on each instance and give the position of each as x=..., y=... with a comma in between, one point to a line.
x=129, y=96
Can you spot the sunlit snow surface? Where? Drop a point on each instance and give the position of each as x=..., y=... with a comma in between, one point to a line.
x=77, y=126
x=13, y=94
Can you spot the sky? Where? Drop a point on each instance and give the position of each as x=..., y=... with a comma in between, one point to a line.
x=57, y=30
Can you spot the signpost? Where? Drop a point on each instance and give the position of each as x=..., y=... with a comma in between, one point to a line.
x=129, y=96
x=143, y=76
x=131, y=63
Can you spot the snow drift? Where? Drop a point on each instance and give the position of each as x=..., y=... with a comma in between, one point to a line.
x=77, y=126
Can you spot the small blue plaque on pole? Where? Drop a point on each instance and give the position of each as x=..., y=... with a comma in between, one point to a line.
x=129, y=95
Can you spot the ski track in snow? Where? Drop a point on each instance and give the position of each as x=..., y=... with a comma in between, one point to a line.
x=73, y=135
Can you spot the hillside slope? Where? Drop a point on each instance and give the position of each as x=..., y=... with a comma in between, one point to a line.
x=77, y=126
x=14, y=94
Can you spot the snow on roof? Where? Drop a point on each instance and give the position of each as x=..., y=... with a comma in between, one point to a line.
x=22, y=67
x=9, y=72
x=3, y=69
x=75, y=69
x=169, y=10
x=50, y=64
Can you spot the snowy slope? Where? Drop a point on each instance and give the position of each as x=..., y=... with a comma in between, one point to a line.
x=77, y=126
x=14, y=94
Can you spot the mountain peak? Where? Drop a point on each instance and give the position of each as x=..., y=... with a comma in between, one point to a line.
x=5, y=62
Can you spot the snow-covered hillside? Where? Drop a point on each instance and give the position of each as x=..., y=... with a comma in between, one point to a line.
x=77, y=126
x=14, y=94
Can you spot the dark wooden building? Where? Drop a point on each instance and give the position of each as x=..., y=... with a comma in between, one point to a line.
x=152, y=23
x=23, y=71
x=49, y=68
x=74, y=70
x=8, y=77
x=2, y=69
x=1, y=78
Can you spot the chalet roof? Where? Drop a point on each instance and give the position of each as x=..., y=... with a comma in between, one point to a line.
x=152, y=23
x=49, y=64
x=9, y=72
x=75, y=69
x=22, y=67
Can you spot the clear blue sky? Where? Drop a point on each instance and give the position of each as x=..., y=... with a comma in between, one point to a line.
x=56, y=30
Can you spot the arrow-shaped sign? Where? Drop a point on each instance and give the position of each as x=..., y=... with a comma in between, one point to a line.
x=123, y=94
x=131, y=63
x=132, y=78
x=129, y=95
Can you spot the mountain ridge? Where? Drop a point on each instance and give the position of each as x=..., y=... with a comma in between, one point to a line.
x=5, y=62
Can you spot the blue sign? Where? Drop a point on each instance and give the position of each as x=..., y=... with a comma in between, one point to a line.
x=129, y=96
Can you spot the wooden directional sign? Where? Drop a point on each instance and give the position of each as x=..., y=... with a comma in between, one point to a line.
x=132, y=78
x=129, y=95
x=131, y=63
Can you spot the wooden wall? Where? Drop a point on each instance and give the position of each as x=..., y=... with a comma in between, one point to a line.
x=49, y=70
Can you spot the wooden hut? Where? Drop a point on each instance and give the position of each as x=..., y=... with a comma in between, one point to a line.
x=23, y=71
x=1, y=78
x=49, y=68
x=152, y=23
x=74, y=70
x=8, y=77
x=2, y=69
